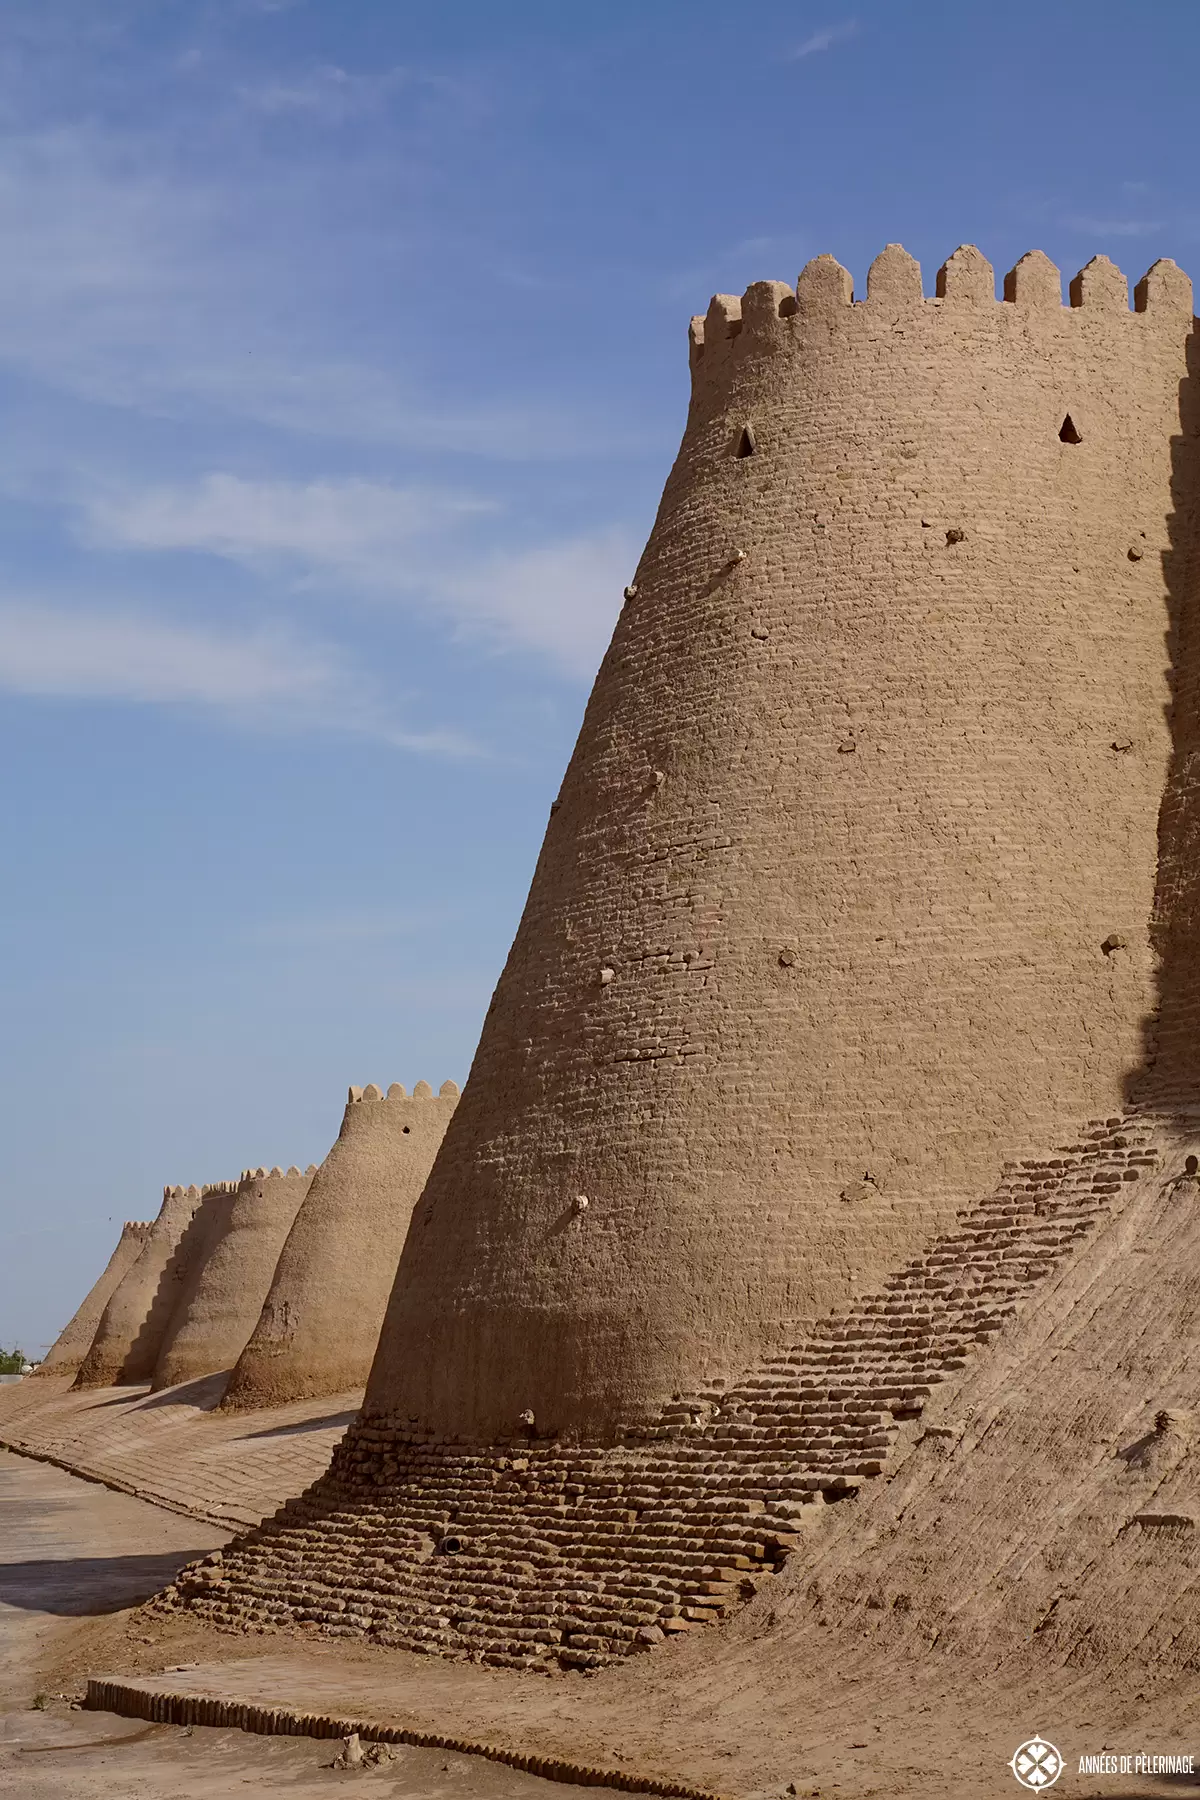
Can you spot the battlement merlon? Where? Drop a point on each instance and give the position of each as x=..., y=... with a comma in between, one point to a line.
x=357, y=1096
x=770, y=311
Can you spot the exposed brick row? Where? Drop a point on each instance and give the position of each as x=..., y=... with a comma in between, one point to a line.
x=537, y=1554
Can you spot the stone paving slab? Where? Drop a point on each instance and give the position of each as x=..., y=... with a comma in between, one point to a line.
x=173, y=1448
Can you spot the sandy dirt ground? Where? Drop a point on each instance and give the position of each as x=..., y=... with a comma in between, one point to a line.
x=73, y=1558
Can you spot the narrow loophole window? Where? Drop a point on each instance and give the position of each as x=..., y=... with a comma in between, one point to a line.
x=1069, y=432
x=746, y=444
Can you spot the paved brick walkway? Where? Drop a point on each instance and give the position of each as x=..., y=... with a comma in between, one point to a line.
x=173, y=1448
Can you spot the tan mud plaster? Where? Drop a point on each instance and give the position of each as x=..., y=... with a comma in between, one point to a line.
x=230, y=1275
x=320, y=1321
x=131, y=1328
x=737, y=988
x=75, y=1339
x=889, y=920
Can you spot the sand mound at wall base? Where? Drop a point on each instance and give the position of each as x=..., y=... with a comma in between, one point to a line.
x=320, y=1321
x=540, y=1554
x=223, y=1294
x=176, y=1450
x=75, y=1339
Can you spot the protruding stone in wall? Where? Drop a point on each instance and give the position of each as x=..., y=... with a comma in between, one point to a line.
x=74, y=1340
x=230, y=1276
x=967, y=278
x=894, y=278
x=320, y=1319
x=1033, y=281
x=1100, y=286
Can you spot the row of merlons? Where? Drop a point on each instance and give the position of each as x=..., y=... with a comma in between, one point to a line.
x=281, y=1277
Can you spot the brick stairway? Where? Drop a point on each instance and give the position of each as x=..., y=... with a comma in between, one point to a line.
x=539, y=1555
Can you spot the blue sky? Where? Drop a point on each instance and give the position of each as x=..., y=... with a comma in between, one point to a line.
x=342, y=358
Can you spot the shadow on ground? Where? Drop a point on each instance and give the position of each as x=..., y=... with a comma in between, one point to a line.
x=75, y=1587
x=323, y=1424
x=205, y=1392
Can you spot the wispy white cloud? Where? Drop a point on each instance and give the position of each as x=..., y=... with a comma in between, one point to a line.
x=131, y=284
x=327, y=94
x=270, y=676
x=389, y=543
x=348, y=524
x=561, y=599
x=824, y=40
x=1110, y=228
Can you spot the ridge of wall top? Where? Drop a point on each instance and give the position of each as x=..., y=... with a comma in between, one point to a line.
x=966, y=279
x=422, y=1091
x=264, y=1174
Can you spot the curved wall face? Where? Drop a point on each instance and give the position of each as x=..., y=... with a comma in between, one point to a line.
x=320, y=1322
x=132, y=1324
x=229, y=1274
x=846, y=896
x=74, y=1340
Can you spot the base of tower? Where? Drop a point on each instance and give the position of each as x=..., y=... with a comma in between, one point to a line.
x=535, y=1555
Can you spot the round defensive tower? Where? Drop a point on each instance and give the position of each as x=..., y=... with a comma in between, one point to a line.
x=74, y=1340
x=319, y=1324
x=846, y=898
x=138, y=1311
x=228, y=1271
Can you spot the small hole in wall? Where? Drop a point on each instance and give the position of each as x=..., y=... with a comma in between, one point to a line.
x=1069, y=432
x=746, y=444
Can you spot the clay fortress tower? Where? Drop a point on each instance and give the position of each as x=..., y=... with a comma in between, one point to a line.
x=320, y=1321
x=139, y=1310
x=869, y=876
x=227, y=1278
x=849, y=890
x=74, y=1340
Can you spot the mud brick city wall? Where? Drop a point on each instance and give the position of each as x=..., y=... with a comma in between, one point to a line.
x=848, y=893
x=320, y=1319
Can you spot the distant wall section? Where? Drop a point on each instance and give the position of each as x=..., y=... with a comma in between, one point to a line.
x=320, y=1322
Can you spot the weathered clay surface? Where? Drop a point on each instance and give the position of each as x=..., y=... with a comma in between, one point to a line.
x=228, y=1273
x=535, y=1554
x=75, y=1339
x=134, y=1322
x=179, y=1450
x=320, y=1321
x=848, y=896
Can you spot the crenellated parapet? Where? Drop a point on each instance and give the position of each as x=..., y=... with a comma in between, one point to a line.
x=320, y=1320
x=422, y=1091
x=772, y=314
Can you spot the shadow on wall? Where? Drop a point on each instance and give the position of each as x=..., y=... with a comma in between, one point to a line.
x=143, y=1353
x=79, y=1586
x=1169, y=1034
